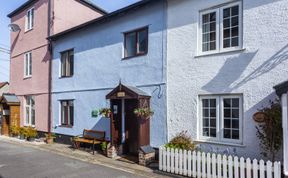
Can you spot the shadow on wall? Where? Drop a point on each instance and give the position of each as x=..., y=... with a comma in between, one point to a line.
x=229, y=73
x=225, y=82
x=101, y=125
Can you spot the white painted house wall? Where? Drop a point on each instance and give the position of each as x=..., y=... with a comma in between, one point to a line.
x=251, y=72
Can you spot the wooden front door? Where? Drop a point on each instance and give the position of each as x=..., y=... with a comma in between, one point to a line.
x=131, y=127
x=5, y=125
x=15, y=115
x=116, y=127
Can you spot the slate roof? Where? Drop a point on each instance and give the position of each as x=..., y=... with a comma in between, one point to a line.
x=2, y=84
x=29, y=2
x=137, y=91
x=10, y=98
x=104, y=18
x=281, y=88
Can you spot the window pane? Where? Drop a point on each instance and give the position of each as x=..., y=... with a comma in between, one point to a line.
x=226, y=23
x=226, y=13
x=213, y=123
x=30, y=64
x=227, y=103
x=235, y=113
x=206, y=132
x=227, y=133
x=205, y=103
x=227, y=123
x=227, y=112
x=235, y=124
x=235, y=134
x=205, y=122
x=212, y=132
x=235, y=21
x=205, y=18
x=235, y=10
x=32, y=18
x=226, y=43
x=227, y=33
x=142, y=41
x=27, y=114
x=212, y=103
x=235, y=102
x=130, y=44
x=205, y=112
x=234, y=31
x=212, y=112
x=235, y=41
x=71, y=114
x=212, y=45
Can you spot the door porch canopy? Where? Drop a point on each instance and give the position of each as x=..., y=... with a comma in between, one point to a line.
x=282, y=91
x=127, y=92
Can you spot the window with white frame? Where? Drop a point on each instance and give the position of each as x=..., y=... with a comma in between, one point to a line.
x=221, y=29
x=29, y=110
x=29, y=22
x=28, y=64
x=221, y=118
x=67, y=113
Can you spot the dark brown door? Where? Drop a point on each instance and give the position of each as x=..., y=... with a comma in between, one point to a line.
x=116, y=128
x=131, y=127
x=5, y=125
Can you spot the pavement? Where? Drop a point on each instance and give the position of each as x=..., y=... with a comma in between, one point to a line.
x=20, y=159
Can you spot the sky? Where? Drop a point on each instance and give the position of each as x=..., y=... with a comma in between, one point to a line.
x=7, y=6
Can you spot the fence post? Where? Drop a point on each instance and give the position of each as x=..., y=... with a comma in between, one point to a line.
x=236, y=166
x=277, y=170
x=213, y=165
x=269, y=169
x=255, y=168
x=164, y=159
x=189, y=164
x=242, y=168
x=248, y=168
x=262, y=169
x=208, y=165
x=194, y=172
x=203, y=164
x=219, y=166
x=185, y=163
x=168, y=159
x=176, y=161
x=181, y=162
x=224, y=166
x=172, y=159
x=160, y=159
x=230, y=166
x=198, y=164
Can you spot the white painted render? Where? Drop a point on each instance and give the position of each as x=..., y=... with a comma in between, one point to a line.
x=251, y=72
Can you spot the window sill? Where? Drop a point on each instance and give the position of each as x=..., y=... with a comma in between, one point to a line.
x=63, y=77
x=135, y=56
x=221, y=52
x=220, y=143
x=28, y=30
x=27, y=125
x=65, y=126
x=27, y=77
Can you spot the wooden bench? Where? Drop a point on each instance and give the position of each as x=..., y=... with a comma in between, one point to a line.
x=91, y=137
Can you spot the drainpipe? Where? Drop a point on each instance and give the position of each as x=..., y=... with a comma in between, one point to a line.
x=50, y=68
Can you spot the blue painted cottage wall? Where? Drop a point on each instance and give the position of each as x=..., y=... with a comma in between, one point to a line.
x=98, y=67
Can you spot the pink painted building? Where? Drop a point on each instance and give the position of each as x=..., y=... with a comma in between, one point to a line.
x=30, y=54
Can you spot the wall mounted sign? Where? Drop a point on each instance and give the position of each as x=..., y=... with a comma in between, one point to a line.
x=259, y=117
x=121, y=94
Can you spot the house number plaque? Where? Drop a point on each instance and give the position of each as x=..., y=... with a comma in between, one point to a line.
x=121, y=94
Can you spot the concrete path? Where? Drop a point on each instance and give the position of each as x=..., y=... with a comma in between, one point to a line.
x=18, y=161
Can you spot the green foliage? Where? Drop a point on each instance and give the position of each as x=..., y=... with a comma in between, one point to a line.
x=22, y=131
x=181, y=141
x=105, y=112
x=144, y=113
x=95, y=113
x=270, y=131
x=31, y=132
x=14, y=130
x=104, y=146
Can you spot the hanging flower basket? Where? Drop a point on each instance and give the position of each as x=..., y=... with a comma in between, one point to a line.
x=105, y=112
x=143, y=113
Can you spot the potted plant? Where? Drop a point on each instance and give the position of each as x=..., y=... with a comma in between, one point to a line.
x=105, y=112
x=143, y=113
x=14, y=131
x=104, y=146
x=31, y=134
x=22, y=133
x=50, y=138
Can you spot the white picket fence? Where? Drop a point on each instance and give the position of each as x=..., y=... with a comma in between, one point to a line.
x=206, y=165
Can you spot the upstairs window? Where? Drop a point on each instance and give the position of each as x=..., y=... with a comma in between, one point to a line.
x=221, y=29
x=67, y=63
x=136, y=43
x=67, y=113
x=29, y=20
x=29, y=110
x=28, y=64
